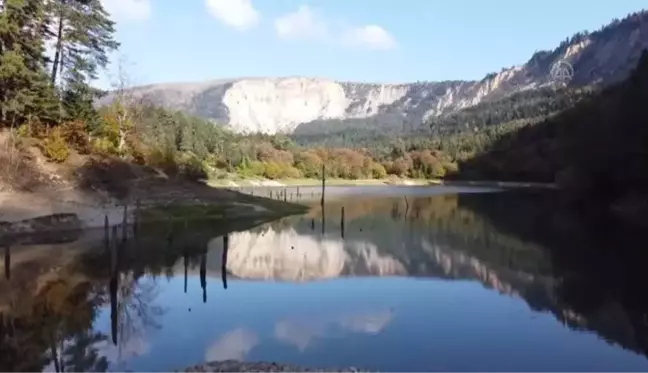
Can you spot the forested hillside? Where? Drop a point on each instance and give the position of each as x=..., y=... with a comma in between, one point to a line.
x=597, y=149
x=48, y=102
x=527, y=104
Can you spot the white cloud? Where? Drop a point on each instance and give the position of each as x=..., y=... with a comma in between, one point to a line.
x=128, y=10
x=370, y=36
x=302, y=24
x=308, y=24
x=239, y=14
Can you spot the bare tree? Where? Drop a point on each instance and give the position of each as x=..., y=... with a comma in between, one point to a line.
x=125, y=104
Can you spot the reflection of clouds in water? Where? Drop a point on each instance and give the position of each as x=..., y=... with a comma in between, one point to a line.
x=300, y=332
x=367, y=323
x=233, y=345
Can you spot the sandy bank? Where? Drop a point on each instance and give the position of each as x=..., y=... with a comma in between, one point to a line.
x=91, y=211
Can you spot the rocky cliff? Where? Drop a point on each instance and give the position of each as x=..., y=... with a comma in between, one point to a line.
x=272, y=105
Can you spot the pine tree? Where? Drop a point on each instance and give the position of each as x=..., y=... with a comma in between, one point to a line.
x=78, y=97
x=24, y=91
x=83, y=32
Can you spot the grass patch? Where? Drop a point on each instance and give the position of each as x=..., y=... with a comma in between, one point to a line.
x=275, y=207
x=243, y=206
x=182, y=212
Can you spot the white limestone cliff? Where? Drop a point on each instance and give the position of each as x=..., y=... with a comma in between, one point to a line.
x=271, y=105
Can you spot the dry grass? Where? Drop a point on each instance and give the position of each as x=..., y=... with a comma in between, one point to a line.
x=17, y=171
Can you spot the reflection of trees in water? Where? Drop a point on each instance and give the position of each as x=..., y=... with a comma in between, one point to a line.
x=596, y=267
x=53, y=326
x=137, y=312
x=599, y=263
x=61, y=323
x=53, y=320
x=82, y=354
x=599, y=271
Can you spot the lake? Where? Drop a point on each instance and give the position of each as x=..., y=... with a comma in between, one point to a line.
x=411, y=279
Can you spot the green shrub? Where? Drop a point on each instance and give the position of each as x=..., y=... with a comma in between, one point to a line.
x=103, y=145
x=23, y=131
x=75, y=134
x=378, y=171
x=54, y=146
x=251, y=169
x=191, y=167
x=163, y=158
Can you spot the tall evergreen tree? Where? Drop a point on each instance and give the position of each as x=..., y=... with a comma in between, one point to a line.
x=24, y=91
x=83, y=32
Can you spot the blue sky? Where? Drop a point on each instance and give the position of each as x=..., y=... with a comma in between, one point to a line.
x=356, y=40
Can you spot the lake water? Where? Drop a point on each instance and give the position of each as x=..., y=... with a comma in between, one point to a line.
x=414, y=279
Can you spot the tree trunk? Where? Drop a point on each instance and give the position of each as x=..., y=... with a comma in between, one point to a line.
x=59, y=45
x=122, y=139
x=123, y=119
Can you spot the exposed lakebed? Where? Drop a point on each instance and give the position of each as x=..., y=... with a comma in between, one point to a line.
x=412, y=279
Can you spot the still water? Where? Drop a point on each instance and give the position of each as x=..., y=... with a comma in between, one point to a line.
x=412, y=279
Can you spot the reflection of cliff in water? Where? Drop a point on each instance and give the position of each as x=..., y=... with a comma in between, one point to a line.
x=444, y=241
x=586, y=273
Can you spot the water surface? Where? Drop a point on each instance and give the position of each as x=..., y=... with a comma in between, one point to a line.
x=412, y=279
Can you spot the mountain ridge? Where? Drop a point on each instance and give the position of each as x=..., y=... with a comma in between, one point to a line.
x=282, y=104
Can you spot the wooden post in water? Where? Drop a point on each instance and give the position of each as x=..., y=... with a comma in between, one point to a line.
x=406, y=207
x=136, y=217
x=313, y=224
x=342, y=221
x=203, y=275
x=170, y=234
x=113, y=285
x=106, y=231
x=125, y=224
x=7, y=261
x=298, y=193
x=185, y=256
x=322, y=200
x=224, y=260
x=323, y=186
x=285, y=194
x=113, y=250
x=270, y=193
